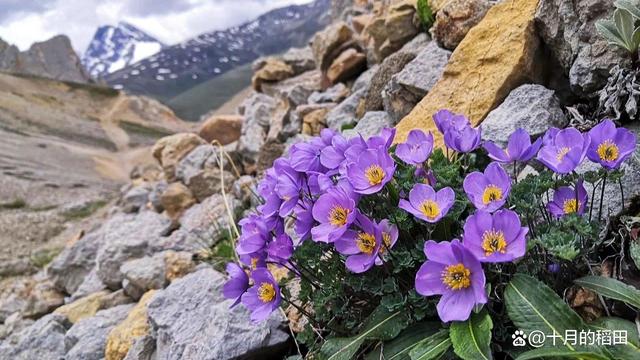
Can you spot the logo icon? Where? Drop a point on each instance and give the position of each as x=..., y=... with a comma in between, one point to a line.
x=518, y=338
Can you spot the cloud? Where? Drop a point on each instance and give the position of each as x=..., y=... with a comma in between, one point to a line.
x=171, y=21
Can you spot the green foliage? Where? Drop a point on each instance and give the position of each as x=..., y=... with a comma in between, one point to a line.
x=621, y=31
x=17, y=203
x=431, y=347
x=83, y=211
x=425, y=14
x=611, y=288
x=399, y=348
x=568, y=237
x=471, y=339
x=630, y=350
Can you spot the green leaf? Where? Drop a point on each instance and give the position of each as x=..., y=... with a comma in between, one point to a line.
x=398, y=348
x=611, y=288
x=634, y=251
x=561, y=353
x=381, y=325
x=624, y=24
x=630, y=350
x=609, y=31
x=471, y=339
x=629, y=6
x=533, y=306
x=432, y=347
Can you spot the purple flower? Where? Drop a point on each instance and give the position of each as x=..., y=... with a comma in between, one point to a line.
x=463, y=140
x=489, y=190
x=362, y=247
x=304, y=219
x=563, y=152
x=425, y=176
x=567, y=200
x=266, y=189
x=288, y=186
x=263, y=297
x=237, y=284
x=333, y=156
x=427, y=204
x=519, y=148
x=305, y=156
x=255, y=235
x=445, y=120
x=417, y=148
x=372, y=170
x=281, y=248
x=495, y=238
x=610, y=146
x=255, y=260
x=335, y=211
x=453, y=272
x=389, y=238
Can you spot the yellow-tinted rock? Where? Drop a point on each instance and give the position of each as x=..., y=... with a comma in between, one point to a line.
x=84, y=307
x=134, y=326
x=272, y=71
x=497, y=55
x=178, y=264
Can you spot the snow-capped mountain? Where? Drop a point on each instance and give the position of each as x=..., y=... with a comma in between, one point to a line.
x=182, y=66
x=115, y=47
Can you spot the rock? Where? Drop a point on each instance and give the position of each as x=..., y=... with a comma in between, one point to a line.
x=43, y=298
x=271, y=150
x=530, y=107
x=314, y=121
x=200, y=171
x=334, y=94
x=568, y=30
x=244, y=188
x=192, y=320
x=128, y=237
x=296, y=90
x=272, y=71
x=371, y=124
x=364, y=80
x=69, y=269
x=455, y=19
x=409, y=86
x=507, y=59
x=299, y=59
x=177, y=264
x=257, y=110
x=144, y=274
x=42, y=340
x=346, y=66
x=345, y=112
x=143, y=348
x=135, y=199
x=389, y=67
x=176, y=199
x=13, y=296
x=89, y=285
x=134, y=326
x=171, y=149
x=223, y=129
x=87, y=338
x=326, y=44
x=391, y=30
x=13, y=324
x=88, y=306
x=437, y=5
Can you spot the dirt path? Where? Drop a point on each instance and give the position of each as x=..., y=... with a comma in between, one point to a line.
x=111, y=127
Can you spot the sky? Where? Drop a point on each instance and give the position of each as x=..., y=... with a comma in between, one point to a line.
x=23, y=22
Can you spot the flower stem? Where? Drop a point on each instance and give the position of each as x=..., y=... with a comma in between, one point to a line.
x=604, y=183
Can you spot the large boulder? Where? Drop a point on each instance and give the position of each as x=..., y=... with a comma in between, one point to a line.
x=455, y=19
x=42, y=340
x=328, y=43
x=171, y=149
x=223, y=129
x=191, y=319
x=371, y=124
x=568, y=30
x=389, y=67
x=530, y=107
x=409, y=86
x=87, y=338
x=257, y=110
x=483, y=69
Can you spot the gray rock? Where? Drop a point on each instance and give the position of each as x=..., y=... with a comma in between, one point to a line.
x=155, y=195
x=89, y=285
x=135, y=198
x=371, y=124
x=244, y=188
x=128, y=237
x=42, y=340
x=300, y=59
x=69, y=269
x=13, y=324
x=531, y=107
x=345, y=112
x=257, y=110
x=409, y=86
x=364, y=80
x=296, y=90
x=200, y=171
x=143, y=274
x=390, y=66
x=191, y=320
x=143, y=348
x=568, y=30
x=334, y=94
x=87, y=338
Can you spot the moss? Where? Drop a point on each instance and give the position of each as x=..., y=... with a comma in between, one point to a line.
x=144, y=131
x=84, y=211
x=17, y=203
x=40, y=258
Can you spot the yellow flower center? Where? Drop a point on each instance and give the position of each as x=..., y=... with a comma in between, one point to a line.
x=338, y=215
x=374, y=174
x=386, y=238
x=254, y=263
x=266, y=292
x=562, y=152
x=491, y=193
x=493, y=241
x=608, y=151
x=570, y=206
x=456, y=277
x=430, y=209
x=366, y=243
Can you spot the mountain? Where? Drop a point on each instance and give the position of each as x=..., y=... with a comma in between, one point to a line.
x=180, y=67
x=115, y=47
x=53, y=59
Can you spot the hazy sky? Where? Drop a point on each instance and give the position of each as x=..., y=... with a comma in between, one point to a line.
x=23, y=22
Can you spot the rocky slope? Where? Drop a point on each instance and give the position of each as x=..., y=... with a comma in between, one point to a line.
x=54, y=59
x=116, y=47
x=180, y=67
x=371, y=68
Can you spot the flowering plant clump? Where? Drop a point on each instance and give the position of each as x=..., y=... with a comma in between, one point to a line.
x=407, y=250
